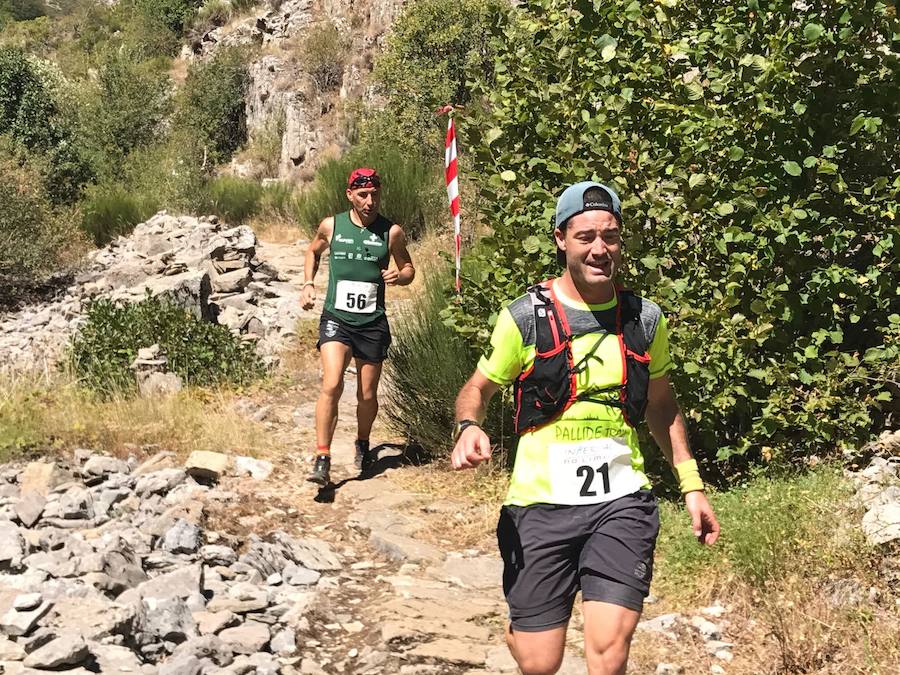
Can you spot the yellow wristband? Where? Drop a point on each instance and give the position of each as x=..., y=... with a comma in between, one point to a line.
x=688, y=476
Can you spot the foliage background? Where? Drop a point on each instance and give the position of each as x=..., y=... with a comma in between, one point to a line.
x=755, y=146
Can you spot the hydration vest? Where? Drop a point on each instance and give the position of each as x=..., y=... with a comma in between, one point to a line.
x=549, y=387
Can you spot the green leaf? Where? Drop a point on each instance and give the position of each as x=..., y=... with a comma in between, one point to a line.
x=650, y=262
x=813, y=31
x=735, y=153
x=696, y=179
x=792, y=168
x=725, y=209
x=799, y=108
x=857, y=123
x=608, y=53
x=532, y=244
x=492, y=135
x=508, y=175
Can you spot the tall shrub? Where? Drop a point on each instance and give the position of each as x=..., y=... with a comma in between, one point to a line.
x=411, y=188
x=212, y=106
x=29, y=115
x=34, y=235
x=122, y=109
x=428, y=365
x=755, y=145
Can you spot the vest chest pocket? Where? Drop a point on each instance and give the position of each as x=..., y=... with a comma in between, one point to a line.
x=357, y=297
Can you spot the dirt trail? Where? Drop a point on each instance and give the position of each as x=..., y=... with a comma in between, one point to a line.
x=407, y=600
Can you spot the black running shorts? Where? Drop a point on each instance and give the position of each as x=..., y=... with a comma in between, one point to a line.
x=551, y=551
x=369, y=342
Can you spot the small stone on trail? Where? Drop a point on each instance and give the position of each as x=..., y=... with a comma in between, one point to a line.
x=257, y=469
x=669, y=669
x=205, y=465
x=69, y=650
x=27, y=601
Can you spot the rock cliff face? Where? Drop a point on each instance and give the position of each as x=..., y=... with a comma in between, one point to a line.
x=279, y=94
x=209, y=268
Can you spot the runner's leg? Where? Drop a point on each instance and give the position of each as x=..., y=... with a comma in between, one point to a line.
x=367, y=377
x=608, y=630
x=538, y=653
x=335, y=359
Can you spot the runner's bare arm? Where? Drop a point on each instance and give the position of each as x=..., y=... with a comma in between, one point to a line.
x=666, y=424
x=473, y=445
x=319, y=244
x=404, y=273
x=665, y=421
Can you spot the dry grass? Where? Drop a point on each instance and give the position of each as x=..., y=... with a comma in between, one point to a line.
x=54, y=415
x=274, y=229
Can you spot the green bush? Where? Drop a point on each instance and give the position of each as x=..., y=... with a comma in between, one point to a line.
x=412, y=192
x=29, y=116
x=323, y=53
x=233, y=199
x=34, y=235
x=428, y=364
x=754, y=145
x=212, y=106
x=201, y=353
x=432, y=49
x=111, y=210
x=174, y=14
x=121, y=109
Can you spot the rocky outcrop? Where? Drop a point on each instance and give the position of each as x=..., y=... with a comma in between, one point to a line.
x=209, y=268
x=878, y=489
x=280, y=95
x=114, y=577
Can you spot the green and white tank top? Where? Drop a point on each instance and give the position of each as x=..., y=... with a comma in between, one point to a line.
x=355, y=292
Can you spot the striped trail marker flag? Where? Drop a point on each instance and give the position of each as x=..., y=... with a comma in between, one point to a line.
x=452, y=174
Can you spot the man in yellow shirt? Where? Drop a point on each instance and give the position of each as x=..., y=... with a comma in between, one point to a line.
x=589, y=361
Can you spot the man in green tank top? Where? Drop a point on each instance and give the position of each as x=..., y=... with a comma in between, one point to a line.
x=353, y=324
x=579, y=514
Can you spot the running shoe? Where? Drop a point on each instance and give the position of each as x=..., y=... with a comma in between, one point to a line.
x=321, y=472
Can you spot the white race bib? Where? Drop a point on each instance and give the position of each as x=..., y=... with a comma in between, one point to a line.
x=358, y=297
x=593, y=471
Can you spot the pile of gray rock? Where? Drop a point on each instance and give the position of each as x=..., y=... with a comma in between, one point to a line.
x=878, y=489
x=202, y=264
x=105, y=567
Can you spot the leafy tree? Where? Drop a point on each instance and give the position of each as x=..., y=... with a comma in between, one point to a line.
x=29, y=115
x=212, y=106
x=122, y=109
x=755, y=145
x=174, y=14
x=432, y=48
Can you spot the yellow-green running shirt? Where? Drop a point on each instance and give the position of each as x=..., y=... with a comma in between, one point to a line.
x=541, y=474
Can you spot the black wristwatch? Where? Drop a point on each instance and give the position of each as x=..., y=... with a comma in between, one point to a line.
x=461, y=426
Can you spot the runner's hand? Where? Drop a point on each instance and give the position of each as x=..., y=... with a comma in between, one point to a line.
x=472, y=448
x=308, y=297
x=703, y=520
x=390, y=276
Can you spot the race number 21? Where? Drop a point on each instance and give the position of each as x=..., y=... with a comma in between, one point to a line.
x=588, y=474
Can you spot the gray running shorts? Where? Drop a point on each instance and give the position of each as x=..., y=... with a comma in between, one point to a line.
x=551, y=551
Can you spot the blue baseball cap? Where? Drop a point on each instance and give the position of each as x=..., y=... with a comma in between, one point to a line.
x=587, y=196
